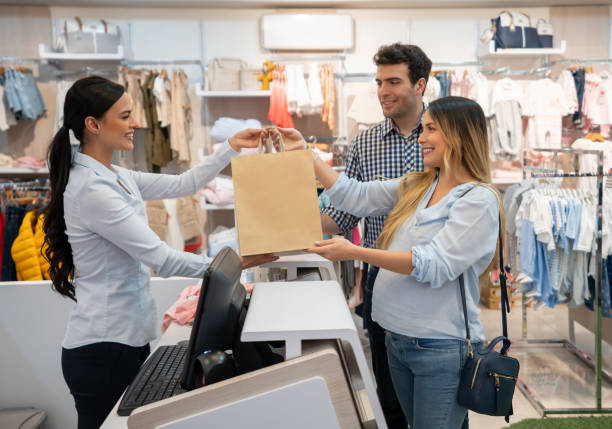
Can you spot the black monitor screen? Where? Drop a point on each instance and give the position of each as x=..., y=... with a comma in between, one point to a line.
x=217, y=313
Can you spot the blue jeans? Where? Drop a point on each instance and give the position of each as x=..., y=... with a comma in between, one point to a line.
x=426, y=375
x=384, y=385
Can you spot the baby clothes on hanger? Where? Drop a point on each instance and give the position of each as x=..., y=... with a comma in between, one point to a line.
x=7, y=119
x=566, y=80
x=328, y=113
x=366, y=109
x=129, y=79
x=314, y=89
x=590, y=106
x=481, y=92
x=579, y=81
x=432, y=90
x=181, y=129
x=588, y=163
x=507, y=128
x=546, y=104
x=22, y=94
x=162, y=90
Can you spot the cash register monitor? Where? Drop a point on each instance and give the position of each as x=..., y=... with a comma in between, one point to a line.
x=220, y=311
x=217, y=314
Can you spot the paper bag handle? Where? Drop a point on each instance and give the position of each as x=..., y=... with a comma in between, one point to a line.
x=260, y=148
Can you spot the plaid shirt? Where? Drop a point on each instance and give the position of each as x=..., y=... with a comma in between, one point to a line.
x=380, y=152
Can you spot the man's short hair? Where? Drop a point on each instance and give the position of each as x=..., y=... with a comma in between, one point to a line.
x=419, y=65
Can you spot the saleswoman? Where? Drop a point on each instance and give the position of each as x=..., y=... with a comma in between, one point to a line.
x=101, y=248
x=441, y=223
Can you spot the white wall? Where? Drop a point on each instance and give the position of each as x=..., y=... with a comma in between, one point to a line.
x=33, y=319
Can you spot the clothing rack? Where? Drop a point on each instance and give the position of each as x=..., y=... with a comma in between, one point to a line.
x=324, y=139
x=506, y=71
x=164, y=62
x=87, y=71
x=536, y=172
x=582, y=60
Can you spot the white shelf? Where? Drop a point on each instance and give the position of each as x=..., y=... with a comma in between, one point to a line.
x=23, y=172
x=46, y=53
x=230, y=94
x=208, y=206
x=557, y=49
x=506, y=180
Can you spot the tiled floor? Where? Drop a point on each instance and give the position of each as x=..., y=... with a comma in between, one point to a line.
x=555, y=374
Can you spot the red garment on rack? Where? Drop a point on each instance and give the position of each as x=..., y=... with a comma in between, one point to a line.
x=278, y=113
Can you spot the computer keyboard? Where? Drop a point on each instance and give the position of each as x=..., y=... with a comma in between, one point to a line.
x=158, y=378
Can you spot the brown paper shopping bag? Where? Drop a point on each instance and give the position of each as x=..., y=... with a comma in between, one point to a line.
x=277, y=208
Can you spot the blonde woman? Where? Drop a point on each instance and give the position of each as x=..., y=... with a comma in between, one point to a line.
x=440, y=224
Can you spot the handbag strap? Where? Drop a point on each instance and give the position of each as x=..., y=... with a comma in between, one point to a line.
x=505, y=304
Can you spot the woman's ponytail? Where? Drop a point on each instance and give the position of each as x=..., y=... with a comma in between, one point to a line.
x=58, y=251
x=90, y=96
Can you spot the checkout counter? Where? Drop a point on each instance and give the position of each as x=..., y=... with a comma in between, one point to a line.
x=324, y=381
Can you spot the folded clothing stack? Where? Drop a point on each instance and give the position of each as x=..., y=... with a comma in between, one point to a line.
x=29, y=162
x=225, y=127
x=220, y=238
x=219, y=191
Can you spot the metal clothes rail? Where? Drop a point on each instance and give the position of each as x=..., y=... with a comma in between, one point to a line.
x=535, y=172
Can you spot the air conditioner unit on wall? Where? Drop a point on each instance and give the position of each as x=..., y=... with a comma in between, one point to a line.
x=307, y=32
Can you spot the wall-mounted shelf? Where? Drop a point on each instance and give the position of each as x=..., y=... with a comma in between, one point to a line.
x=231, y=94
x=557, y=49
x=207, y=206
x=46, y=53
x=20, y=172
x=505, y=180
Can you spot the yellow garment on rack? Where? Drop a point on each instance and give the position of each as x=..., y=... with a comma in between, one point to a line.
x=39, y=240
x=28, y=247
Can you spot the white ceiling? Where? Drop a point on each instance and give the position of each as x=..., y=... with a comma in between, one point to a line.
x=310, y=3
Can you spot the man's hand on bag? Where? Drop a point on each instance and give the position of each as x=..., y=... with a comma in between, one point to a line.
x=292, y=138
x=335, y=249
x=248, y=138
x=255, y=260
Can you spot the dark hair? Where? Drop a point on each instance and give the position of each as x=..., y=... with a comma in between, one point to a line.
x=419, y=65
x=90, y=96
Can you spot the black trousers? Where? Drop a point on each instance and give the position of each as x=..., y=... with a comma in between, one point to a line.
x=97, y=374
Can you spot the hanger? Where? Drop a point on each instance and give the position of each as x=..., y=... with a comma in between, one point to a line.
x=596, y=137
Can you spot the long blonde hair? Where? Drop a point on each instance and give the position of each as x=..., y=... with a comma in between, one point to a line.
x=462, y=124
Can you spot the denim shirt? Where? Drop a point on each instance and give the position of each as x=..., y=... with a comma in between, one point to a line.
x=454, y=236
x=113, y=247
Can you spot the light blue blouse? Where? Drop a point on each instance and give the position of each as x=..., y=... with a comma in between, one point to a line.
x=454, y=236
x=113, y=247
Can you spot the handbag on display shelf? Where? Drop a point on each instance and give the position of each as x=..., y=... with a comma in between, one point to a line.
x=224, y=74
x=489, y=377
x=545, y=33
x=89, y=36
x=514, y=30
x=277, y=209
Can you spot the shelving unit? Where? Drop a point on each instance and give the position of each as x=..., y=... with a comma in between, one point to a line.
x=23, y=173
x=557, y=49
x=47, y=54
x=208, y=206
x=230, y=94
x=506, y=180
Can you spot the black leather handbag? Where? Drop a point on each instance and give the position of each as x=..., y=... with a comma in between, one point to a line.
x=489, y=377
